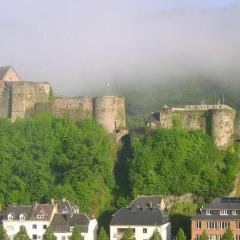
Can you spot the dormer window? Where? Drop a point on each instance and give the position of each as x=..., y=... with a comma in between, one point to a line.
x=208, y=212
x=22, y=217
x=223, y=212
x=71, y=229
x=234, y=212
x=40, y=216
x=10, y=216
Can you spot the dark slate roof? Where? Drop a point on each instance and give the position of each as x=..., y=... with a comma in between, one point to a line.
x=140, y=216
x=154, y=118
x=64, y=206
x=63, y=222
x=3, y=71
x=147, y=201
x=41, y=209
x=224, y=203
x=216, y=217
x=16, y=210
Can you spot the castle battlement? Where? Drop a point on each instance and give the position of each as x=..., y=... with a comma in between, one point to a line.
x=19, y=99
x=216, y=119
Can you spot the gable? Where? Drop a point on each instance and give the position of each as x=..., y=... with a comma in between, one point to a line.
x=8, y=74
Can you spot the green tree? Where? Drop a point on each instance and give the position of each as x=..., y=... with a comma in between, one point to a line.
x=228, y=235
x=3, y=234
x=156, y=235
x=128, y=235
x=102, y=235
x=49, y=235
x=204, y=236
x=76, y=234
x=180, y=235
x=22, y=234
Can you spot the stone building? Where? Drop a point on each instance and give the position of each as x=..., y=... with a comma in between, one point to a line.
x=216, y=120
x=19, y=99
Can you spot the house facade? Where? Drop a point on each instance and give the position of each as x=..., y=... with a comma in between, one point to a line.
x=143, y=216
x=60, y=215
x=215, y=218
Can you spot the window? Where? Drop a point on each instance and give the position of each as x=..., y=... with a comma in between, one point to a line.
x=71, y=229
x=237, y=237
x=234, y=212
x=21, y=217
x=223, y=212
x=40, y=216
x=208, y=212
x=39, y=237
x=198, y=237
x=211, y=225
x=144, y=230
x=34, y=226
x=44, y=226
x=237, y=225
x=212, y=237
x=198, y=225
x=34, y=236
x=10, y=216
x=224, y=225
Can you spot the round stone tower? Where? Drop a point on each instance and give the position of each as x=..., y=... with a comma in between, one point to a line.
x=110, y=112
x=223, y=125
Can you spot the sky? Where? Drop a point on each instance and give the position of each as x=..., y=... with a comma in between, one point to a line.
x=78, y=46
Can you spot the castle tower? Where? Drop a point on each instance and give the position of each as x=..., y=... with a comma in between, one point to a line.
x=110, y=112
x=222, y=126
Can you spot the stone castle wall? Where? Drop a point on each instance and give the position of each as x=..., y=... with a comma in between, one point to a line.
x=24, y=97
x=4, y=101
x=110, y=112
x=216, y=120
x=223, y=127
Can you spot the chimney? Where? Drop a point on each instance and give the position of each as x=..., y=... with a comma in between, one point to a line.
x=150, y=204
x=52, y=201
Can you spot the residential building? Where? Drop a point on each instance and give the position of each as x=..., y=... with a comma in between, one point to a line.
x=215, y=218
x=143, y=216
x=35, y=219
x=60, y=215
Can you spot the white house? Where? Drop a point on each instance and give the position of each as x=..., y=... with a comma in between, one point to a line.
x=35, y=219
x=60, y=215
x=143, y=216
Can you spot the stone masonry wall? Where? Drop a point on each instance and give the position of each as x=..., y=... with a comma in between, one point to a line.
x=110, y=112
x=25, y=95
x=218, y=122
x=4, y=101
x=74, y=108
x=223, y=127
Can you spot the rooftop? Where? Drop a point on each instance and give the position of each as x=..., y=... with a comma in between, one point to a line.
x=140, y=216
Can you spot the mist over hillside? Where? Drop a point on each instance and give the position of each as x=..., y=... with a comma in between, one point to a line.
x=81, y=46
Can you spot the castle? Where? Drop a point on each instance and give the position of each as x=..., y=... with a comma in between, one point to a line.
x=217, y=120
x=19, y=99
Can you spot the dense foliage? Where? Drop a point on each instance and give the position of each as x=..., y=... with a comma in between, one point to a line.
x=22, y=234
x=228, y=235
x=45, y=157
x=102, y=235
x=3, y=233
x=176, y=161
x=181, y=214
x=128, y=235
x=156, y=235
x=76, y=234
x=49, y=235
x=180, y=235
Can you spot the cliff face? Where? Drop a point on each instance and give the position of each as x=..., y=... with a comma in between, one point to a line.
x=216, y=120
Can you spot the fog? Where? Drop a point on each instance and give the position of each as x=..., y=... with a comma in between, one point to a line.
x=79, y=46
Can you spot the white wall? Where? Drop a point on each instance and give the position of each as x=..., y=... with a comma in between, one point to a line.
x=165, y=231
x=12, y=227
